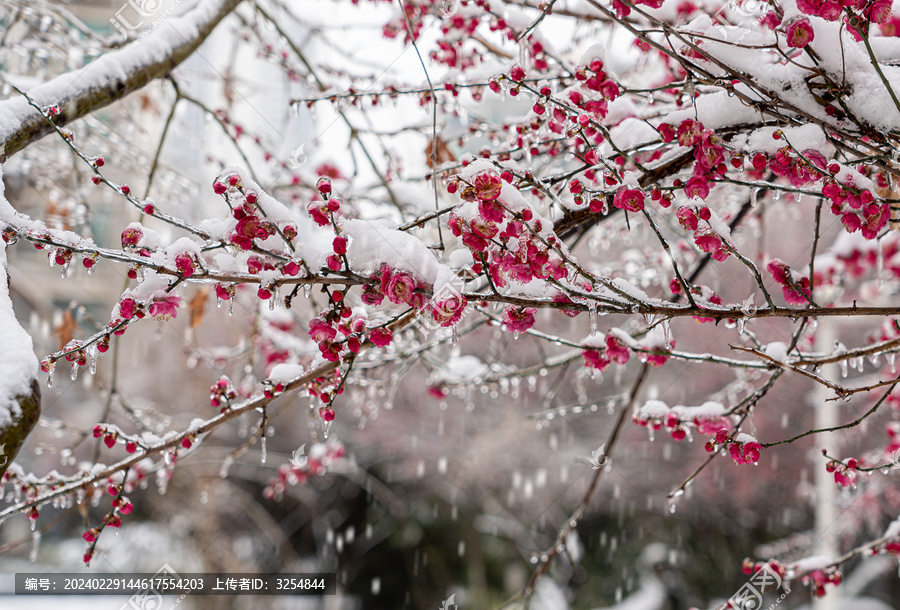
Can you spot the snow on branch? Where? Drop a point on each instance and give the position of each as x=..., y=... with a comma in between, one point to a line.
x=111, y=76
x=20, y=396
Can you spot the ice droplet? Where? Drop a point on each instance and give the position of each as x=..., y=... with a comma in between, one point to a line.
x=74, y=374
x=672, y=505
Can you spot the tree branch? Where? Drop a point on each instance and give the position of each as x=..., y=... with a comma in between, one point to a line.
x=111, y=77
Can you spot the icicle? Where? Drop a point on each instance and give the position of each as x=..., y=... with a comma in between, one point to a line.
x=307, y=290
x=454, y=336
x=754, y=197
x=891, y=358
x=50, y=368
x=326, y=428
x=35, y=546
x=592, y=311
x=667, y=333
x=516, y=335
x=843, y=365
x=272, y=301
x=262, y=449
x=218, y=302
x=672, y=505
x=740, y=325
x=92, y=361
x=776, y=195
x=90, y=270
x=64, y=271
x=74, y=370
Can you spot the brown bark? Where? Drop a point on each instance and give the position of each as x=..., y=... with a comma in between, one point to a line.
x=12, y=437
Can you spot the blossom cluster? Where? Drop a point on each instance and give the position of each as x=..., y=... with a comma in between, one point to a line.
x=796, y=290
x=799, y=169
x=697, y=219
x=845, y=472
x=709, y=155
x=677, y=421
x=343, y=330
x=857, y=14
x=321, y=456
x=857, y=208
x=612, y=349
x=250, y=220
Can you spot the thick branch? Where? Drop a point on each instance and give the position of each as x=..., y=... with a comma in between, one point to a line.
x=112, y=76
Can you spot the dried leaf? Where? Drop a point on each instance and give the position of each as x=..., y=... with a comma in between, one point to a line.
x=58, y=213
x=147, y=104
x=442, y=152
x=228, y=88
x=66, y=329
x=196, y=306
